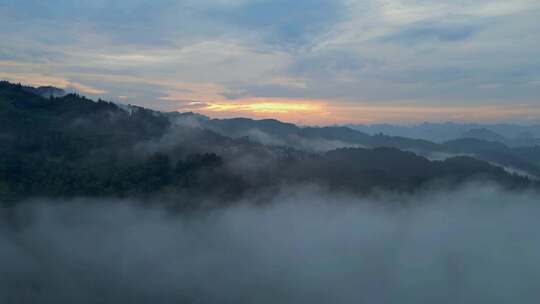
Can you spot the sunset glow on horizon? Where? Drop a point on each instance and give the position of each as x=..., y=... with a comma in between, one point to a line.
x=328, y=113
x=264, y=107
x=328, y=62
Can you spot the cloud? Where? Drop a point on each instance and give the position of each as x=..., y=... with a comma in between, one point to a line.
x=283, y=23
x=421, y=32
x=478, y=244
x=302, y=111
x=347, y=51
x=45, y=80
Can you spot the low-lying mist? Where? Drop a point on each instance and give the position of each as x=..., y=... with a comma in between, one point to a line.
x=475, y=245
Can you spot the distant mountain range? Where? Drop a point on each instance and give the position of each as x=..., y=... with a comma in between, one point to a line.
x=70, y=146
x=509, y=134
x=480, y=143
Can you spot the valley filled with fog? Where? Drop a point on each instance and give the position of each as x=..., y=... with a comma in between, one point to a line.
x=475, y=244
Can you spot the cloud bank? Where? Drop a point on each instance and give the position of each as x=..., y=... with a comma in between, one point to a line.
x=462, y=55
x=477, y=245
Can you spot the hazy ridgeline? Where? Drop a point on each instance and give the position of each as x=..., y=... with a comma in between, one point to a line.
x=70, y=146
x=475, y=245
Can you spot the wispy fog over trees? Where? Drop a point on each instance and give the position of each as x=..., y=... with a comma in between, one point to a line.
x=70, y=146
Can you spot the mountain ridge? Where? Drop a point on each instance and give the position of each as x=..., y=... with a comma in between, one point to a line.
x=72, y=146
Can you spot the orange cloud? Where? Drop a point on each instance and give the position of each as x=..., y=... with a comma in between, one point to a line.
x=44, y=80
x=264, y=107
x=323, y=113
x=208, y=98
x=297, y=110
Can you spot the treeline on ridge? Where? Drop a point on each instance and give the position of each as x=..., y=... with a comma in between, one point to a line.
x=71, y=146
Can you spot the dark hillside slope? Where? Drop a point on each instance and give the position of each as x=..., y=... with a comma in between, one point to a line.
x=72, y=146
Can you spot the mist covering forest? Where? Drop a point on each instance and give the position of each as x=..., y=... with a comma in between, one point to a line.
x=109, y=203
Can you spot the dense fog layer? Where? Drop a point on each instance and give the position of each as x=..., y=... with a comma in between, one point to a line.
x=476, y=245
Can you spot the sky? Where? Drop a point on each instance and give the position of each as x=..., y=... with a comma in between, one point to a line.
x=304, y=61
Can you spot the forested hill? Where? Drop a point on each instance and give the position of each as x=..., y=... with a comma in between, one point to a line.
x=70, y=146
